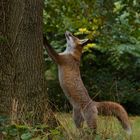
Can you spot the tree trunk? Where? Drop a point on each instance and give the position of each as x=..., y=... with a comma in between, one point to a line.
x=22, y=83
x=6, y=63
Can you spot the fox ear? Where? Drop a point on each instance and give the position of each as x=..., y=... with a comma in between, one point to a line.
x=84, y=42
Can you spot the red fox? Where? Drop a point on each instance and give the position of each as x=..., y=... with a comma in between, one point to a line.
x=72, y=85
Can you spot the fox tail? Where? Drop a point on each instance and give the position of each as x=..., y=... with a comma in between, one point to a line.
x=111, y=108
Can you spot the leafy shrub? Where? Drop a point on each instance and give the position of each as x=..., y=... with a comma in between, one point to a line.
x=25, y=132
x=110, y=68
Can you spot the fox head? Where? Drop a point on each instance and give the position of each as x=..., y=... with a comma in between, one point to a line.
x=74, y=44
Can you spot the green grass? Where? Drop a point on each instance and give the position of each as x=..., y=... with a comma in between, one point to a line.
x=108, y=129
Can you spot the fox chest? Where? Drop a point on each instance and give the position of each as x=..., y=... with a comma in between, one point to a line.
x=72, y=86
x=69, y=80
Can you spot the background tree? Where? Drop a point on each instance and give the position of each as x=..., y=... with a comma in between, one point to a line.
x=22, y=85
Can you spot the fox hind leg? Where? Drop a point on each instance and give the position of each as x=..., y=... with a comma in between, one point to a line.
x=90, y=114
x=77, y=117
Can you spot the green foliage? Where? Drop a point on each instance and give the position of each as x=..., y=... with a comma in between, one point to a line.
x=125, y=56
x=109, y=68
x=25, y=132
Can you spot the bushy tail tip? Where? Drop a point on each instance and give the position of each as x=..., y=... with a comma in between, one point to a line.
x=128, y=131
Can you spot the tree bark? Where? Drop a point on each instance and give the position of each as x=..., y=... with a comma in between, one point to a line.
x=22, y=84
x=6, y=62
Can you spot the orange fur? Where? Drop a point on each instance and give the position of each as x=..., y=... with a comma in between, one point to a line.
x=70, y=81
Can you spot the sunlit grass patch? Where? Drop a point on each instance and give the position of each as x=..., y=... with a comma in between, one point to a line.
x=109, y=128
x=136, y=128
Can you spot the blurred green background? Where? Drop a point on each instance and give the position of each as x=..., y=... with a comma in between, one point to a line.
x=110, y=68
